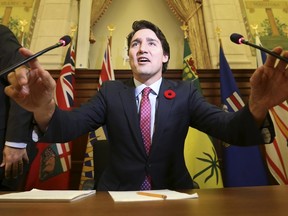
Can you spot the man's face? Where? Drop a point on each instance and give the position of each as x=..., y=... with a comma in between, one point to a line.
x=146, y=56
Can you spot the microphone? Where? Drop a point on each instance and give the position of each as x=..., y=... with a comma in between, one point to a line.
x=239, y=39
x=64, y=41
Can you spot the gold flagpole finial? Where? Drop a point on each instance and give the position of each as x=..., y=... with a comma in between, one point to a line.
x=218, y=32
x=23, y=24
x=73, y=30
x=184, y=28
x=111, y=28
x=255, y=28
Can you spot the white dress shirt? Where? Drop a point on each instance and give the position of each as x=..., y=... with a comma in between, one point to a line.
x=152, y=97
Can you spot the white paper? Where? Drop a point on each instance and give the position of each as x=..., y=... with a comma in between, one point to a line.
x=46, y=195
x=132, y=196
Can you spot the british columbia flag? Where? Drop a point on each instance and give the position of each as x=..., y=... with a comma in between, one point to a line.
x=87, y=175
x=277, y=151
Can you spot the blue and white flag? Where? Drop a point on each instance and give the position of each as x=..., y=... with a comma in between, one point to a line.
x=243, y=166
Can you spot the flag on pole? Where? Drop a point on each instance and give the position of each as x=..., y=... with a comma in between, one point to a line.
x=87, y=180
x=200, y=155
x=51, y=167
x=107, y=72
x=243, y=166
x=276, y=152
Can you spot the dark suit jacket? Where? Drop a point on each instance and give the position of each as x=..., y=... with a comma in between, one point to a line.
x=15, y=122
x=115, y=106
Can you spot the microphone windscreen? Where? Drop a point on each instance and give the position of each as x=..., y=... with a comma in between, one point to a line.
x=236, y=38
x=65, y=40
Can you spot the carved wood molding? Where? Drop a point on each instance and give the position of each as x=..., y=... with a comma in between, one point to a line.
x=87, y=81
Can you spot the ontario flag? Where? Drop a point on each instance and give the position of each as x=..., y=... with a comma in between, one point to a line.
x=243, y=166
x=276, y=152
x=87, y=175
x=200, y=155
x=50, y=169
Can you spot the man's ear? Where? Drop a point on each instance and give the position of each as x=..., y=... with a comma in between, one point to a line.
x=165, y=58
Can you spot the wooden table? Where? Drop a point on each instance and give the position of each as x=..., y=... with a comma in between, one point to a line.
x=268, y=200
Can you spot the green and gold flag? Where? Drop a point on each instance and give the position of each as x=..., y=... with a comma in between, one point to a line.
x=200, y=155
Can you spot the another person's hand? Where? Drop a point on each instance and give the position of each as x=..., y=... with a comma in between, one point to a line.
x=33, y=89
x=269, y=85
x=13, y=159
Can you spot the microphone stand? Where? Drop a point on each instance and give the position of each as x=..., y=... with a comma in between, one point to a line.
x=13, y=67
x=265, y=50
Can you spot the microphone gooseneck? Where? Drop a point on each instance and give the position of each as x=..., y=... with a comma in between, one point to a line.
x=64, y=41
x=239, y=39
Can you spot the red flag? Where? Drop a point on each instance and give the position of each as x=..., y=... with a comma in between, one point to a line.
x=107, y=72
x=87, y=175
x=51, y=167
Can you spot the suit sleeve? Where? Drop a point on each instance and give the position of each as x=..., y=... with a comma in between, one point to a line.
x=236, y=128
x=19, y=121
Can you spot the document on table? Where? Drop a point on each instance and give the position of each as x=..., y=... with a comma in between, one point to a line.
x=36, y=195
x=151, y=195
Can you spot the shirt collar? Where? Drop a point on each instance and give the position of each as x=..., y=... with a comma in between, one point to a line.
x=140, y=86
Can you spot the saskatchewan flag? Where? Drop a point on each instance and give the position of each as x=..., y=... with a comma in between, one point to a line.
x=200, y=155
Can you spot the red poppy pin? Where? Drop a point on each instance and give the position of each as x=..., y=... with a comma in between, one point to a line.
x=169, y=94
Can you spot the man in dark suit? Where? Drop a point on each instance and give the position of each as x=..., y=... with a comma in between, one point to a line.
x=174, y=107
x=14, y=122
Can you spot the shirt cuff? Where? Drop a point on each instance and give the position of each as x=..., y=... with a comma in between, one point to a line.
x=36, y=133
x=16, y=144
x=267, y=130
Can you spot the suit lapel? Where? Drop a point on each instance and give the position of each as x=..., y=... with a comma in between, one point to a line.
x=130, y=108
x=162, y=113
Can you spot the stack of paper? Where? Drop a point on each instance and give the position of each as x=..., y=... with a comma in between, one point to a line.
x=151, y=195
x=46, y=195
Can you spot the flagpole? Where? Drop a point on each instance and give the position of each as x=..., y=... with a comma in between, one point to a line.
x=23, y=24
x=110, y=28
x=255, y=28
x=218, y=32
x=73, y=30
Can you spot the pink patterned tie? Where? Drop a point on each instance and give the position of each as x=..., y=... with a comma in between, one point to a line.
x=145, y=125
x=145, y=118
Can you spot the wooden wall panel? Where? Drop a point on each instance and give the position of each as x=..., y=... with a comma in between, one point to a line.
x=86, y=87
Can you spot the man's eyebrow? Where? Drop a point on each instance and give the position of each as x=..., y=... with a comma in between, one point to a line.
x=147, y=39
x=135, y=40
x=152, y=39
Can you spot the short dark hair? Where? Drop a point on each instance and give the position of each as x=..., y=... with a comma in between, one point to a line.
x=144, y=24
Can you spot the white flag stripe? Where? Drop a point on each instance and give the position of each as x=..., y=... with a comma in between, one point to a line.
x=67, y=147
x=61, y=146
x=239, y=99
x=231, y=103
x=282, y=145
x=277, y=152
x=64, y=165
